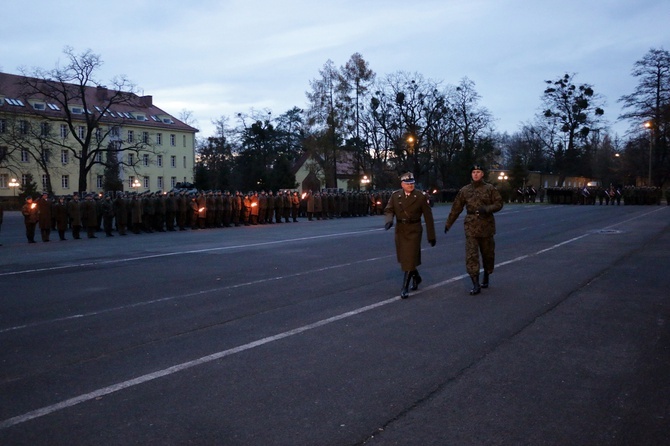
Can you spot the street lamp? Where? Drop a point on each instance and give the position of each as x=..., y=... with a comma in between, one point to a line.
x=365, y=181
x=502, y=176
x=14, y=184
x=649, y=125
x=136, y=183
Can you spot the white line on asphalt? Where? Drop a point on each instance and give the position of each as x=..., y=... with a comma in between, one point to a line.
x=222, y=354
x=194, y=294
x=192, y=251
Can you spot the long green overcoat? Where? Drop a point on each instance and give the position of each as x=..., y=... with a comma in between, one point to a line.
x=408, y=229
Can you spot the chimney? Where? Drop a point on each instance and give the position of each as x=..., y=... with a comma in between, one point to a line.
x=101, y=93
x=147, y=101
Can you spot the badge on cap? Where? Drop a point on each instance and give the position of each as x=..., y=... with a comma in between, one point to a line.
x=407, y=177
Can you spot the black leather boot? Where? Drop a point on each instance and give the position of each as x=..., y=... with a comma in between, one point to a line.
x=404, y=293
x=485, y=280
x=476, y=288
x=416, y=280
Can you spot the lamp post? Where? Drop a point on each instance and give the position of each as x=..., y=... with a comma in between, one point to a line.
x=14, y=184
x=365, y=181
x=136, y=183
x=649, y=125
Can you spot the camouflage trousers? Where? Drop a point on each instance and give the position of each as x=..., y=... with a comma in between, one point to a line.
x=473, y=247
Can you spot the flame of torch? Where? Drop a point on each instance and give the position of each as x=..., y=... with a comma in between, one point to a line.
x=33, y=205
x=201, y=209
x=254, y=205
x=304, y=194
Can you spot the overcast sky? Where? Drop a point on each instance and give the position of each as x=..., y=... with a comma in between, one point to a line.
x=220, y=57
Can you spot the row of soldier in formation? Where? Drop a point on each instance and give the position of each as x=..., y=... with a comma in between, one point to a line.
x=630, y=195
x=181, y=209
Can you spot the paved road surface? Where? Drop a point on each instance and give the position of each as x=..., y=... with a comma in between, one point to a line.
x=294, y=334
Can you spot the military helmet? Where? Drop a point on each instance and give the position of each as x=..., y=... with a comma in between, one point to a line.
x=477, y=166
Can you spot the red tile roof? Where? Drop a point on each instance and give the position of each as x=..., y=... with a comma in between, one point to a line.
x=13, y=99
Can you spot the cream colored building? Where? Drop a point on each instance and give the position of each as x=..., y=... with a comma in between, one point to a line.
x=154, y=150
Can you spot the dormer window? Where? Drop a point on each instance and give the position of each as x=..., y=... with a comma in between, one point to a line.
x=39, y=106
x=77, y=110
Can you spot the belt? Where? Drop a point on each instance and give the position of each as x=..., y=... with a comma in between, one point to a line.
x=408, y=220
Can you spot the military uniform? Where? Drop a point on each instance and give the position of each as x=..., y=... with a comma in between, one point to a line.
x=480, y=200
x=44, y=209
x=31, y=216
x=407, y=207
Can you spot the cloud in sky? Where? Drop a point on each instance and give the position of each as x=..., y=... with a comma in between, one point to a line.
x=217, y=58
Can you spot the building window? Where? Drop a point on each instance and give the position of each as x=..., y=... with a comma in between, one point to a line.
x=159, y=160
x=4, y=184
x=63, y=131
x=24, y=179
x=64, y=156
x=159, y=139
x=3, y=126
x=45, y=182
x=65, y=181
x=131, y=159
x=45, y=129
x=98, y=134
x=81, y=132
x=159, y=183
x=173, y=182
x=173, y=161
x=24, y=127
x=183, y=140
x=173, y=139
x=184, y=161
x=147, y=182
x=116, y=131
x=131, y=136
x=131, y=181
x=98, y=157
x=145, y=159
x=25, y=158
x=98, y=181
x=145, y=137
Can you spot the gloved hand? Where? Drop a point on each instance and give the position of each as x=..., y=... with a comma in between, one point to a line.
x=431, y=242
x=388, y=225
x=446, y=229
x=482, y=210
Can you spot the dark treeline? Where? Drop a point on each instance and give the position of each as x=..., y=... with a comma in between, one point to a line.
x=405, y=122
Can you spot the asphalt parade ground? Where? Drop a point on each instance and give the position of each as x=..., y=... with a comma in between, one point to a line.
x=294, y=334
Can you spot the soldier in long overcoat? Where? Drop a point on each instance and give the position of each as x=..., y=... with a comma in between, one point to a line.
x=481, y=200
x=89, y=213
x=60, y=216
x=44, y=207
x=74, y=214
x=407, y=206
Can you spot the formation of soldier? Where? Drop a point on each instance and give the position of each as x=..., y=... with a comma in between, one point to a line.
x=179, y=210
x=611, y=195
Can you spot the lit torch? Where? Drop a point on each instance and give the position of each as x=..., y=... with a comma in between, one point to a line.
x=33, y=205
x=304, y=194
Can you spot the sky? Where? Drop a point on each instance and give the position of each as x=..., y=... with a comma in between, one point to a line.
x=219, y=58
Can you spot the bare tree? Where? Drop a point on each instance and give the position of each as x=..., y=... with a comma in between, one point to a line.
x=650, y=103
x=78, y=101
x=574, y=109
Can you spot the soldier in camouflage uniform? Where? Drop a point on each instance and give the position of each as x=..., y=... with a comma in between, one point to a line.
x=481, y=200
x=407, y=205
